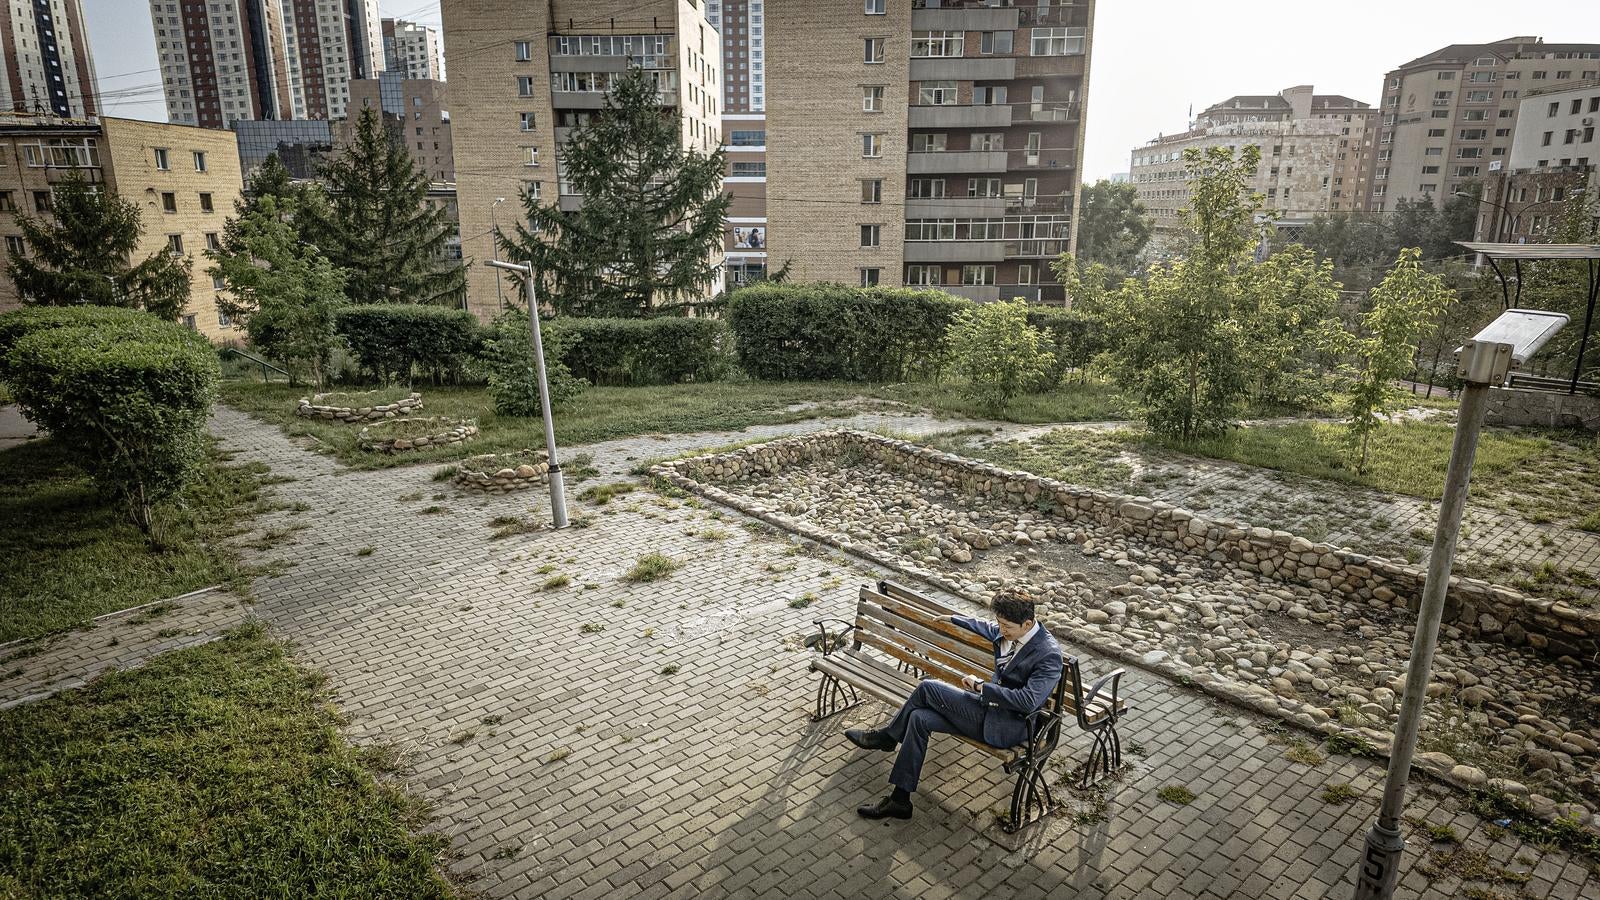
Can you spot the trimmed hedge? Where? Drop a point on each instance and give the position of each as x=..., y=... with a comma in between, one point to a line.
x=828, y=331
x=17, y=324
x=397, y=340
x=128, y=397
x=644, y=351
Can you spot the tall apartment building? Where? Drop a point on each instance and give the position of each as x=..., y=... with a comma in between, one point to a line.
x=742, y=24
x=45, y=50
x=1314, y=151
x=416, y=109
x=525, y=74
x=1450, y=115
x=184, y=179
x=412, y=50
x=225, y=60
x=926, y=144
x=1555, y=152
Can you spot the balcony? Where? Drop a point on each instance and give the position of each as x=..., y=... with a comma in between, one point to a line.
x=956, y=207
x=964, y=68
x=1036, y=247
x=996, y=116
x=955, y=251
x=981, y=19
x=597, y=100
x=1070, y=66
x=956, y=162
x=1052, y=111
x=1055, y=17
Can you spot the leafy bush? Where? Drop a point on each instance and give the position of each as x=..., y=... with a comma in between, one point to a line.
x=644, y=351
x=19, y=323
x=1072, y=336
x=399, y=340
x=513, y=378
x=997, y=353
x=831, y=331
x=129, y=396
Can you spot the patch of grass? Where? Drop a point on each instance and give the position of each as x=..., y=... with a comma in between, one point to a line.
x=1088, y=458
x=67, y=555
x=1350, y=745
x=546, y=569
x=365, y=551
x=1563, y=833
x=445, y=473
x=1470, y=865
x=580, y=468
x=1441, y=834
x=509, y=526
x=1300, y=752
x=592, y=628
x=509, y=851
x=709, y=533
x=652, y=567
x=143, y=783
x=803, y=601
x=433, y=510
x=411, y=497
x=671, y=669
x=557, y=755
x=601, y=494
x=1177, y=794
x=558, y=581
x=1338, y=794
x=357, y=399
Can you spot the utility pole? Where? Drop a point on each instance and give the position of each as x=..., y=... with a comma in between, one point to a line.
x=558, y=500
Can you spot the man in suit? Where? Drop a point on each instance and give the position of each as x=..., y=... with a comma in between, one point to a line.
x=1027, y=667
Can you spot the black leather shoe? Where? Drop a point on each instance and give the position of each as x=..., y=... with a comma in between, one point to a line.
x=887, y=808
x=870, y=740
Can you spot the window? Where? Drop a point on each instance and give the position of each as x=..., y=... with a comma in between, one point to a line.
x=872, y=98
x=530, y=156
x=989, y=96
x=530, y=189
x=923, y=275
x=747, y=138
x=188, y=322
x=749, y=170
x=169, y=202
x=1025, y=274
x=870, y=235
x=927, y=143
x=874, y=7
x=524, y=50
x=524, y=85
x=1430, y=170
x=872, y=50
x=205, y=203
x=1435, y=132
x=7, y=204
x=1056, y=41
x=1545, y=140
x=927, y=188
x=223, y=319
x=1552, y=110
x=41, y=201
x=211, y=241
x=936, y=93
x=983, y=187
x=1479, y=96
x=15, y=247
x=938, y=43
x=1472, y=134
x=1469, y=153
x=175, y=241
x=1032, y=156
x=869, y=277
x=871, y=146
x=1447, y=76
x=161, y=159
x=978, y=274
x=872, y=190
x=528, y=120
x=994, y=42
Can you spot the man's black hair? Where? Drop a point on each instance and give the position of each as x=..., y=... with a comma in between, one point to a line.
x=1013, y=607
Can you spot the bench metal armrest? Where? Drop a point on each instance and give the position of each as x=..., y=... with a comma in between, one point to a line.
x=1114, y=678
x=826, y=645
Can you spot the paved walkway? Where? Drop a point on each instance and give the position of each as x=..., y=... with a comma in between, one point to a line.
x=14, y=427
x=601, y=737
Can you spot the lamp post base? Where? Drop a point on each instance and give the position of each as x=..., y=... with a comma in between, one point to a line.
x=1380, y=864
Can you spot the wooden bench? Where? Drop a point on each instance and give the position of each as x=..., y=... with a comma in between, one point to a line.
x=900, y=637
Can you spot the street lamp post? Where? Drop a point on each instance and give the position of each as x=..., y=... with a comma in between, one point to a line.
x=558, y=500
x=1481, y=362
x=494, y=247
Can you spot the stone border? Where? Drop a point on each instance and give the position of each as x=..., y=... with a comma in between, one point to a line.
x=1157, y=522
x=475, y=472
x=463, y=431
x=311, y=409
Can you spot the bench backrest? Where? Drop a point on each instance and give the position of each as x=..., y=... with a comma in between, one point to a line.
x=916, y=630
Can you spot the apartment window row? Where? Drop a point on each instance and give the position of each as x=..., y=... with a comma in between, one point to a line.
x=981, y=274
x=169, y=202
x=1007, y=228
x=62, y=153
x=648, y=45
x=749, y=170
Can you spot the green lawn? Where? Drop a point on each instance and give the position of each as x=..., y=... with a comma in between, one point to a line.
x=69, y=555
x=217, y=771
x=606, y=413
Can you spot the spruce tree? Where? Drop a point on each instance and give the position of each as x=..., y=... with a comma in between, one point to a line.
x=378, y=225
x=652, y=217
x=86, y=256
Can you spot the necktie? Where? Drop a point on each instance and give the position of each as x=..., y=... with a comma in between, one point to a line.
x=1008, y=649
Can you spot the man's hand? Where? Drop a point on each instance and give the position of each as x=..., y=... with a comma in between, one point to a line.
x=972, y=683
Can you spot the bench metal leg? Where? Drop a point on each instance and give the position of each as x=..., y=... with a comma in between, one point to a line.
x=1031, y=799
x=833, y=696
x=1106, y=753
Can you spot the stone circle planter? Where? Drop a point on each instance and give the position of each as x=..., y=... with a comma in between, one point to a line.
x=502, y=473
x=378, y=438
x=313, y=408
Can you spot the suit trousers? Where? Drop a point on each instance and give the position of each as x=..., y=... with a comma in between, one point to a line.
x=933, y=707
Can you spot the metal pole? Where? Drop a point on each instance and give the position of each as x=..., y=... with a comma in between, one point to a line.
x=1380, y=865
x=558, y=499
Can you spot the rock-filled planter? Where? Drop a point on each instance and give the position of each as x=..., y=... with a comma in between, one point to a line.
x=314, y=407
x=502, y=473
x=1302, y=631
x=402, y=435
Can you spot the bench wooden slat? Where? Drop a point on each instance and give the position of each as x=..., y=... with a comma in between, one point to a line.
x=888, y=684
x=922, y=658
x=920, y=640
x=935, y=619
x=932, y=632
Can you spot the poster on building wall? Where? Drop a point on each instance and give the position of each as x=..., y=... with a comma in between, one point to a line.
x=752, y=238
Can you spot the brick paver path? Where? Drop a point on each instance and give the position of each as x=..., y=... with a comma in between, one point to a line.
x=565, y=762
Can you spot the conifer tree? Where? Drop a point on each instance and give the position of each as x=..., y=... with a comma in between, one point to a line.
x=652, y=217
x=378, y=226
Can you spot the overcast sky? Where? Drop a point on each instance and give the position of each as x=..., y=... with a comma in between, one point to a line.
x=1152, y=59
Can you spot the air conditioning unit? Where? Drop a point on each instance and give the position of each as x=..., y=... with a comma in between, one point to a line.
x=1587, y=120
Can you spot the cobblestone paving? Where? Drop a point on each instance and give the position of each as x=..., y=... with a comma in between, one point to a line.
x=569, y=758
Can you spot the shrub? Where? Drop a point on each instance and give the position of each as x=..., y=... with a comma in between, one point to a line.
x=1072, y=336
x=127, y=396
x=644, y=351
x=831, y=331
x=513, y=379
x=19, y=323
x=997, y=353
x=399, y=340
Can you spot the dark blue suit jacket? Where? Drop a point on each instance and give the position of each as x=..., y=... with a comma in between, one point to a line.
x=1025, y=685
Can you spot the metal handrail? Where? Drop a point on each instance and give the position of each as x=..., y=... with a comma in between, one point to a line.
x=259, y=361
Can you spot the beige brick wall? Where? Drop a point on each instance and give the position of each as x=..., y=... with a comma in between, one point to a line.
x=815, y=75
x=432, y=149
